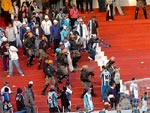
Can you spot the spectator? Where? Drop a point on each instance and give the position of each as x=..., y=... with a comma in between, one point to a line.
x=46, y=24
x=29, y=98
x=55, y=34
x=112, y=95
x=7, y=106
x=106, y=77
x=64, y=100
x=89, y=2
x=6, y=86
x=88, y=103
x=134, y=93
x=15, y=10
x=52, y=101
x=13, y=60
x=10, y=34
x=7, y=8
x=20, y=100
x=116, y=3
x=101, y=4
x=109, y=10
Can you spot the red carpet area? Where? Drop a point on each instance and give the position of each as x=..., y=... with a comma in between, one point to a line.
x=130, y=45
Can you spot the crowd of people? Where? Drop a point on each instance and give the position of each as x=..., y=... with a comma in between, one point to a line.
x=36, y=31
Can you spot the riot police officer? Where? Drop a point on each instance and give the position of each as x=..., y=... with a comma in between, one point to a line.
x=85, y=80
x=138, y=4
x=42, y=50
x=49, y=76
x=29, y=46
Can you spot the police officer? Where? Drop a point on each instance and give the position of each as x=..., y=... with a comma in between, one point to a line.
x=42, y=50
x=29, y=46
x=85, y=80
x=49, y=74
x=74, y=50
x=138, y=4
x=62, y=66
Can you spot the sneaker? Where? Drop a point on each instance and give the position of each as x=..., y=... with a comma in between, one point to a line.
x=22, y=75
x=8, y=75
x=90, y=58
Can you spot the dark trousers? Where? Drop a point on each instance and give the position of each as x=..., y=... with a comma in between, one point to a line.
x=101, y=4
x=48, y=40
x=91, y=5
x=109, y=16
x=80, y=4
x=5, y=62
x=73, y=21
x=7, y=18
x=53, y=110
x=56, y=44
x=13, y=43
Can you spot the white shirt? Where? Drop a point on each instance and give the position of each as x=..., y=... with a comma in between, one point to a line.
x=2, y=90
x=134, y=90
x=46, y=26
x=13, y=53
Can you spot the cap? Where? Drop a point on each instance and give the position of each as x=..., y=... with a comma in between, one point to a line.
x=55, y=21
x=94, y=35
x=46, y=17
x=50, y=62
x=81, y=20
x=68, y=83
x=30, y=82
x=58, y=50
x=64, y=51
x=27, y=28
x=23, y=23
x=4, y=38
x=43, y=37
x=72, y=36
x=64, y=27
x=52, y=87
x=84, y=67
x=6, y=83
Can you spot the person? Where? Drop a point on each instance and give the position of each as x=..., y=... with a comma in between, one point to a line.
x=13, y=60
x=134, y=93
x=84, y=77
x=112, y=95
x=49, y=74
x=80, y=3
x=91, y=5
x=10, y=34
x=116, y=3
x=88, y=103
x=106, y=77
x=83, y=33
x=64, y=100
x=15, y=10
x=7, y=8
x=64, y=34
x=4, y=53
x=29, y=46
x=29, y=98
x=93, y=26
x=7, y=106
x=52, y=100
x=20, y=100
x=109, y=10
x=144, y=102
x=69, y=92
x=101, y=4
x=74, y=14
x=6, y=84
x=76, y=55
x=42, y=51
x=46, y=24
x=60, y=17
x=138, y=4
x=62, y=66
x=55, y=34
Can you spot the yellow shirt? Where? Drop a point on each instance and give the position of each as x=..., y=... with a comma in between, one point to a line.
x=7, y=5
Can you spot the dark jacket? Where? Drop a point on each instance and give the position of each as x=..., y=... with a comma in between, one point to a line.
x=19, y=102
x=55, y=32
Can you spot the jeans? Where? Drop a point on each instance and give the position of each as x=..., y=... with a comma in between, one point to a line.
x=31, y=109
x=11, y=67
x=5, y=62
x=105, y=89
x=101, y=5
